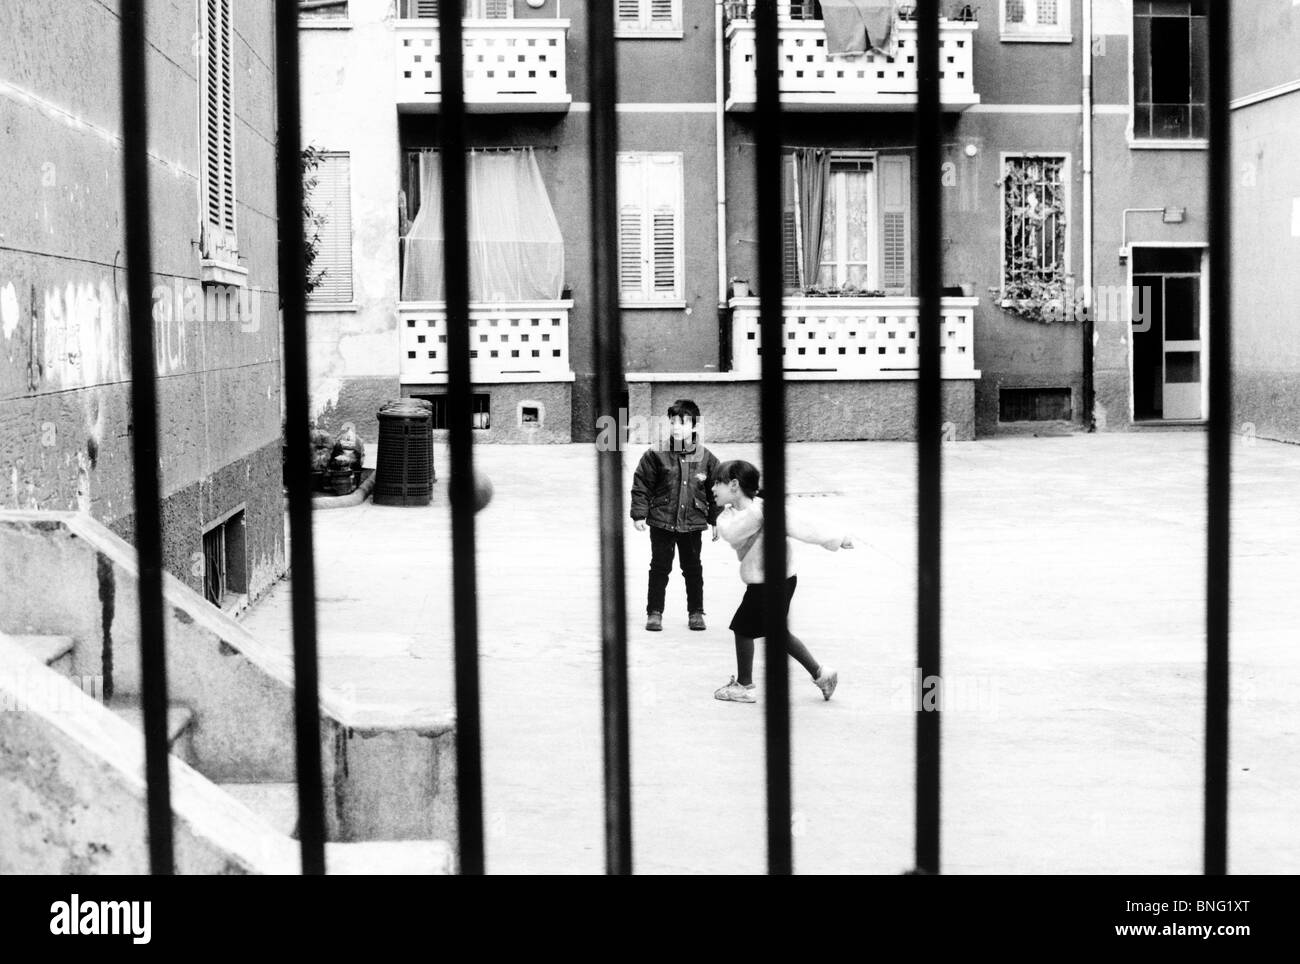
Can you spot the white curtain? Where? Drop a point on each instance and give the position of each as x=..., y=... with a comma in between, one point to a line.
x=516, y=252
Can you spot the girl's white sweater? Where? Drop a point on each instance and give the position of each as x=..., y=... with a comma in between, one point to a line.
x=738, y=526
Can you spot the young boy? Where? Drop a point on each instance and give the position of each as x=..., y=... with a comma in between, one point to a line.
x=672, y=493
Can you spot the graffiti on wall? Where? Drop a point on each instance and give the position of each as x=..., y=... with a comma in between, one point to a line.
x=78, y=333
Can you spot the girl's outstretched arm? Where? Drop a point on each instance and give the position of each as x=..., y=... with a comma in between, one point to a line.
x=801, y=527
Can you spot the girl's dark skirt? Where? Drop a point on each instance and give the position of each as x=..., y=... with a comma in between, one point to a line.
x=748, y=620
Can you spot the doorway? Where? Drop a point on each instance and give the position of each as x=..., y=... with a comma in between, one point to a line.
x=1168, y=335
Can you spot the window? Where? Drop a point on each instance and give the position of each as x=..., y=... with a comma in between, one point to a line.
x=1047, y=20
x=225, y=565
x=516, y=250
x=474, y=9
x=648, y=18
x=329, y=195
x=1170, y=86
x=1035, y=217
x=480, y=411
x=322, y=9
x=217, y=150
x=853, y=211
x=650, y=266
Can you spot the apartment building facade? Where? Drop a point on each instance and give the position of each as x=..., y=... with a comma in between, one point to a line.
x=66, y=423
x=1073, y=189
x=1266, y=220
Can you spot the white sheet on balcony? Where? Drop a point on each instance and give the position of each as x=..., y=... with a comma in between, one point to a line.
x=516, y=252
x=855, y=26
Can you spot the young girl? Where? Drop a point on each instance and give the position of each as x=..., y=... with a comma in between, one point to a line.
x=735, y=486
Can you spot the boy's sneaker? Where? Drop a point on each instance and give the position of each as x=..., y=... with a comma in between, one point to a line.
x=826, y=682
x=697, y=621
x=736, y=692
x=654, y=622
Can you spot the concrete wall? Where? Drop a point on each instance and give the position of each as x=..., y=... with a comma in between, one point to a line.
x=816, y=411
x=387, y=776
x=552, y=401
x=1266, y=222
x=65, y=419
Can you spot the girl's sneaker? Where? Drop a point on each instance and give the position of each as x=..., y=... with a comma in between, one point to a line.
x=827, y=682
x=736, y=692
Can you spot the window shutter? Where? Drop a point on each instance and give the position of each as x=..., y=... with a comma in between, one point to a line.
x=227, y=126
x=650, y=227
x=661, y=14
x=895, y=223
x=332, y=199
x=498, y=9
x=629, y=12
x=631, y=193
x=211, y=113
x=664, y=185
x=789, y=226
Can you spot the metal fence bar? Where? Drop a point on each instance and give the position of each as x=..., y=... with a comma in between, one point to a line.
x=607, y=349
x=776, y=697
x=302, y=565
x=144, y=440
x=929, y=416
x=1219, y=469
x=451, y=139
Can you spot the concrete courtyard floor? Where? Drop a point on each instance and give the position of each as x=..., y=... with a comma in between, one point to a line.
x=1073, y=634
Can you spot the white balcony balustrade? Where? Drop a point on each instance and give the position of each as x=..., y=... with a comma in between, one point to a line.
x=510, y=66
x=512, y=342
x=813, y=80
x=856, y=338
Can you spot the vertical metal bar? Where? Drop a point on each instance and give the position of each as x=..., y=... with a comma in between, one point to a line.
x=293, y=299
x=607, y=344
x=929, y=411
x=451, y=139
x=144, y=406
x=767, y=141
x=1219, y=471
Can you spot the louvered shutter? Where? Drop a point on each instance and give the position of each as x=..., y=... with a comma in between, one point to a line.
x=227, y=126
x=664, y=192
x=629, y=13
x=661, y=14
x=895, y=224
x=650, y=227
x=631, y=219
x=218, y=151
x=789, y=226
x=332, y=199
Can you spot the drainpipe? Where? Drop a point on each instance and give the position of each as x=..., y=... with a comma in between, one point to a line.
x=1089, y=324
x=718, y=94
x=724, y=317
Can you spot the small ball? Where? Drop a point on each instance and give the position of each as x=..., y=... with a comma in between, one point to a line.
x=483, y=490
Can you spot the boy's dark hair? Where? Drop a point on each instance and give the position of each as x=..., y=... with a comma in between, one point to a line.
x=743, y=472
x=684, y=409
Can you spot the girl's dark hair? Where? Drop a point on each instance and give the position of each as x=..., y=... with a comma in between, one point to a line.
x=743, y=472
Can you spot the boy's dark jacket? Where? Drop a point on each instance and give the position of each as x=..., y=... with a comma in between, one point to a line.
x=659, y=497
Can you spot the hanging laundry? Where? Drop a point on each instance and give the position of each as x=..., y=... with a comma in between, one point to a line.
x=856, y=26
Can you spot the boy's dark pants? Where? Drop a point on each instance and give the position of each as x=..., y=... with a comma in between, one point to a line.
x=687, y=544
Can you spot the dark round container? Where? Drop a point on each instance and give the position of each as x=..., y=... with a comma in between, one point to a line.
x=404, y=461
x=341, y=481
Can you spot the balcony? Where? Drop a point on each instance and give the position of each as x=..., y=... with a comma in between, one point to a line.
x=856, y=338
x=513, y=342
x=511, y=66
x=811, y=80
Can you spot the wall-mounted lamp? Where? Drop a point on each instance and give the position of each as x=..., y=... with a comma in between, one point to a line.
x=972, y=150
x=1173, y=215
